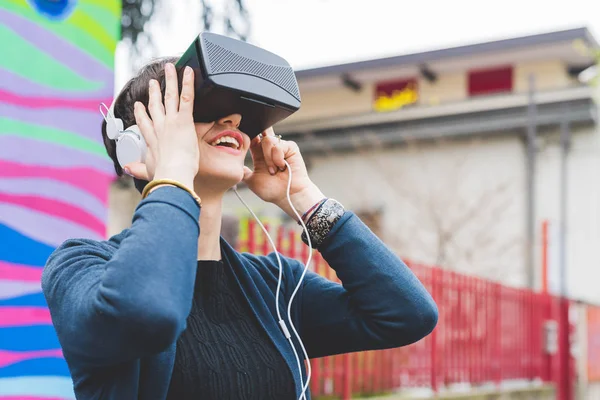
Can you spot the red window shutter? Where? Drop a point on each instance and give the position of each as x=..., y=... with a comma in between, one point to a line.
x=488, y=81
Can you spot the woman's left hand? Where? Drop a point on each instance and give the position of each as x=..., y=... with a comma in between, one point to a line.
x=269, y=179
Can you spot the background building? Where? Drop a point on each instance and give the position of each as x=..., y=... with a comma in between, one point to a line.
x=454, y=157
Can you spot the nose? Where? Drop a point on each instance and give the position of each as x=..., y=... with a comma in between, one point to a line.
x=232, y=119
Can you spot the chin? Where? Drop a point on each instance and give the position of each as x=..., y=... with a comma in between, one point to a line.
x=220, y=177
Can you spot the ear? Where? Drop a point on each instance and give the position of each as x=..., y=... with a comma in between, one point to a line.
x=138, y=170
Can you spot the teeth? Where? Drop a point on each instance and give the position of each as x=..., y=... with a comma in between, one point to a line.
x=226, y=139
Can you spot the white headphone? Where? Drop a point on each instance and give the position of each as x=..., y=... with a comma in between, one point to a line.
x=131, y=146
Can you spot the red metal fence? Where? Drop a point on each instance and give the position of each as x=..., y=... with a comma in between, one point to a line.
x=487, y=333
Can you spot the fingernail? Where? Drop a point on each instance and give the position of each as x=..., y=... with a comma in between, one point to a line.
x=282, y=169
x=127, y=171
x=151, y=83
x=272, y=170
x=188, y=71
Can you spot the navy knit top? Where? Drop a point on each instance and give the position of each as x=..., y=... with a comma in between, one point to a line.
x=224, y=353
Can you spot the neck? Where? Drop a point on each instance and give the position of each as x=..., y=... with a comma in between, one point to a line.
x=209, y=246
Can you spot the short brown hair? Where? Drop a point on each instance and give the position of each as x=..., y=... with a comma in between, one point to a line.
x=136, y=89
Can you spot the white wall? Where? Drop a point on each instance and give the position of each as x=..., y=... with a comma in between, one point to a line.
x=473, y=190
x=583, y=216
x=467, y=190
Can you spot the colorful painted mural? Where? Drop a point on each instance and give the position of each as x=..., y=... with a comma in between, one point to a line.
x=55, y=70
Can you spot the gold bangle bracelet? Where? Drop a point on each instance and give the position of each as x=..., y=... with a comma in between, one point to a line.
x=172, y=182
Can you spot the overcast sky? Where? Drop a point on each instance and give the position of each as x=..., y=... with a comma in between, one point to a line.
x=312, y=33
x=332, y=31
x=320, y=32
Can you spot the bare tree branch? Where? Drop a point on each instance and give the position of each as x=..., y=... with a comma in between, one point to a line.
x=137, y=13
x=446, y=213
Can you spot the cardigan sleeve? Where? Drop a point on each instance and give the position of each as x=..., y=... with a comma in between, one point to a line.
x=112, y=305
x=380, y=303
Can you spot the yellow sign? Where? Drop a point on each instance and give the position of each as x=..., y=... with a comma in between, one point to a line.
x=397, y=99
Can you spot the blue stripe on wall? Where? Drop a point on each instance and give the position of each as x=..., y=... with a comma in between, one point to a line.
x=24, y=338
x=19, y=249
x=34, y=299
x=36, y=367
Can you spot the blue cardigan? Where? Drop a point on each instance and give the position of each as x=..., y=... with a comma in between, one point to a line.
x=118, y=306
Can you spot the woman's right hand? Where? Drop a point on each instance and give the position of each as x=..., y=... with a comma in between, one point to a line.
x=170, y=135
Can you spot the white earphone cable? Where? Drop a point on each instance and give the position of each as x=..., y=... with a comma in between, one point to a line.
x=280, y=319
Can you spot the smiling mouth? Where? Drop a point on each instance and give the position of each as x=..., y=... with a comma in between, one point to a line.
x=226, y=141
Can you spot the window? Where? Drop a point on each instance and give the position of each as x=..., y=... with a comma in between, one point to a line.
x=393, y=95
x=489, y=81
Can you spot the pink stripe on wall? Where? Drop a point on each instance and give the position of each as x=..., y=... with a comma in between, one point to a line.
x=57, y=209
x=17, y=272
x=22, y=316
x=50, y=102
x=88, y=179
x=13, y=357
x=30, y=398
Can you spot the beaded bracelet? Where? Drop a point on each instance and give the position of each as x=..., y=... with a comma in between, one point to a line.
x=307, y=214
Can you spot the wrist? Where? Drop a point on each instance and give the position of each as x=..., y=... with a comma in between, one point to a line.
x=303, y=201
x=186, y=179
x=156, y=183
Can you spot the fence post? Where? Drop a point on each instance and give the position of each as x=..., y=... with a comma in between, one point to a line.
x=251, y=236
x=266, y=246
x=565, y=377
x=346, y=378
x=436, y=275
x=498, y=357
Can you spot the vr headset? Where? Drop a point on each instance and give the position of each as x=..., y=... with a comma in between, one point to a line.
x=234, y=77
x=231, y=77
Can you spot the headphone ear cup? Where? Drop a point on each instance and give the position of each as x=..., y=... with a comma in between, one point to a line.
x=142, y=142
x=131, y=146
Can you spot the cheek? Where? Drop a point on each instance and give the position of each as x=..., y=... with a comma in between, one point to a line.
x=202, y=129
x=212, y=161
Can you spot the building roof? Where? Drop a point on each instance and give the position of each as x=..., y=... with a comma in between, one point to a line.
x=517, y=43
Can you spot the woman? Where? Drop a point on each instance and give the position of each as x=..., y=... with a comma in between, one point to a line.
x=169, y=310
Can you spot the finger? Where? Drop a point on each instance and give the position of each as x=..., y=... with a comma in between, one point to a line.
x=155, y=104
x=268, y=132
x=268, y=143
x=186, y=101
x=137, y=170
x=278, y=157
x=256, y=151
x=255, y=141
x=171, y=90
x=145, y=124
